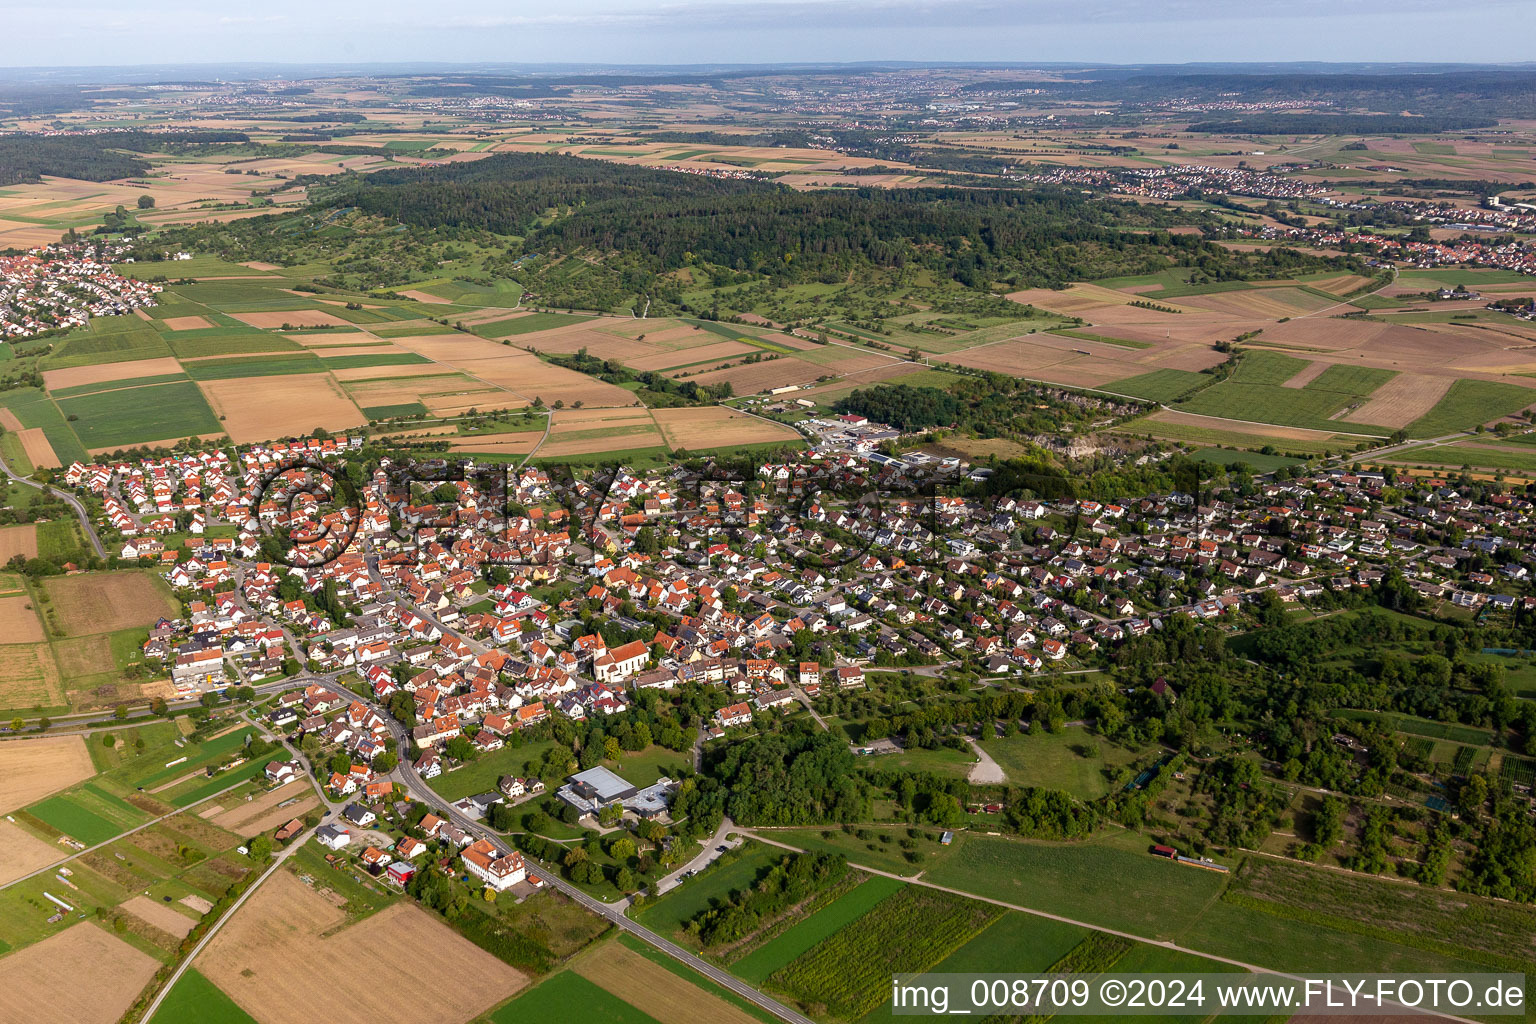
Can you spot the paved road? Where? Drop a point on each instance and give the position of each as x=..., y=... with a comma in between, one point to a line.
x=405, y=775
x=705, y=858
x=122, y=835
x=74, y=502
x=332, y=809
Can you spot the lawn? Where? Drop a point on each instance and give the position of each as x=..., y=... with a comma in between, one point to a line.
x=568, y=996
x=133, y=416
x=196, y=1000
x=482, y=774
x=1059, y=761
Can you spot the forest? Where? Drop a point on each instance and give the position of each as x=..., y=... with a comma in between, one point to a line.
x=25, y=158
x=974, y=236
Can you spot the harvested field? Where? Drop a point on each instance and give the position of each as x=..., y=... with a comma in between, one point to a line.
x=39, y=452
x=1403, y=399
x=186, y=323
x=292, y=317
x=718, y=352
x=516, y=371
x=272, y=960
x=101, y=373
x=286, y=405
x=258, y=265
x=18, y=540
x=104, y=602
x=41, y=984
x=29, y=677
x=326, y=340
x=18, y=621
x=1342, y=284
x=160, y=915
x=751, y=378
x=1262, y=429
x=652, y=989
x=353, y=373
x=22, y=853
x=587, y=431
x=519, y=443
x=262, y=813
x=1258, y=303
x=421, y=296
x=717, y=427
x=9, y=421
x=37, y=766
x=1307, y=376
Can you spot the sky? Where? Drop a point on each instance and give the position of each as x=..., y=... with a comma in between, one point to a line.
x=95, y=32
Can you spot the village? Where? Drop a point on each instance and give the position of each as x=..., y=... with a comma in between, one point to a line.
x=57, y=287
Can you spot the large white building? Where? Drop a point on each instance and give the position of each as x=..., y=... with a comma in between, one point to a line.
x=497, y=870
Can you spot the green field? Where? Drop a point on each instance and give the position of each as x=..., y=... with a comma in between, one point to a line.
x=386, y=412
x=113, y=339
x=1254, y=392
x=196, y=1000
x=1470, y=402
x=131, y=416
x=382, y=359
x=1016, y=943
x=1468, y=454
x=1109, y=880
x=1057, y=761
x=221, y=341
x=115, y=385
x=257, y=366
x=911, y=930
x=671, y=912
x=568, y=996
x=793, y=942
x=68, y=816
x=34, y=409
x=1160, y=386
x=528, y=324
x=1259, y=461
x=1217, y=437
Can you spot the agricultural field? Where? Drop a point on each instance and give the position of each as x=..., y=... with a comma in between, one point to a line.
x=275, y=957
x=656, y=992
x=42, y=982
x=93, y=603
x=33, y=767
x=911, y=930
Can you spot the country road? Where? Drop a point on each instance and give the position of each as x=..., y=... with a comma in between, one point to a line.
x=74, y=502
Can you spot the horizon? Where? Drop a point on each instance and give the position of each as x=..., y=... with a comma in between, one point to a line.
x=766, y=32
